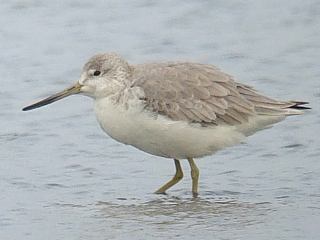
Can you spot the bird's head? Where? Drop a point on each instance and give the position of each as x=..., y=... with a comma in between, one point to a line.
x=103, y=75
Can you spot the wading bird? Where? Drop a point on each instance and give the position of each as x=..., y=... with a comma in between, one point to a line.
x=176, y=110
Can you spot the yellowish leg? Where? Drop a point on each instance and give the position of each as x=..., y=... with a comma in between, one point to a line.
x=176, y=178
x=194, y=176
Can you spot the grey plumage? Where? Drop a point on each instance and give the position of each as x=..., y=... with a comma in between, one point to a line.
x=202, y=93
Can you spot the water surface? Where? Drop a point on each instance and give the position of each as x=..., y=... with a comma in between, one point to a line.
x=62, y=178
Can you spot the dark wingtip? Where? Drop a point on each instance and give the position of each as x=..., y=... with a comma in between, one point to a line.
x=298, y=105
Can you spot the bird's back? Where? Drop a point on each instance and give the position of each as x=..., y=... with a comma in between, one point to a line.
x=202, y=93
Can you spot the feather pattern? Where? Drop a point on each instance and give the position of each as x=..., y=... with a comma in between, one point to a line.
x=201, y=93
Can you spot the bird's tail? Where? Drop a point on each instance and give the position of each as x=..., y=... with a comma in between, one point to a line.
x=268, y=106
x=296, y=107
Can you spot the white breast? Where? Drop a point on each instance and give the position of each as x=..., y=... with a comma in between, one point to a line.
x=160, y=136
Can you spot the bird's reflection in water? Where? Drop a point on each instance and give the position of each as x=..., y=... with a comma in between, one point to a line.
x=207, y=210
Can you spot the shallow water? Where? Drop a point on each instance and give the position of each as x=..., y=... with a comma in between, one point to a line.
x=62, y=178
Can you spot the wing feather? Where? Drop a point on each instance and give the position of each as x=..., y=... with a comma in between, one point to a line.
x=195, y=93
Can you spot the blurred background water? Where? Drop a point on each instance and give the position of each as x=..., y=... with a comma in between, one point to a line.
x=62, y=178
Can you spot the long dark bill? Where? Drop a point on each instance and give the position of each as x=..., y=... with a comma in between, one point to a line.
x=65, y=93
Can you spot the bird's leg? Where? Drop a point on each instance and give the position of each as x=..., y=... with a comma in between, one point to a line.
x=194, y=176
x=176, y=178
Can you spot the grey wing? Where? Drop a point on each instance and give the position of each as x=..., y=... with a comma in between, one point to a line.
x=192, y=92
x=267, y=106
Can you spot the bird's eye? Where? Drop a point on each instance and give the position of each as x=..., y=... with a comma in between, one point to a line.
x=96, y=73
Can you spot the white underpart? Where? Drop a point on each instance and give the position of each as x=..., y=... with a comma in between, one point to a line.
x=130, y=124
